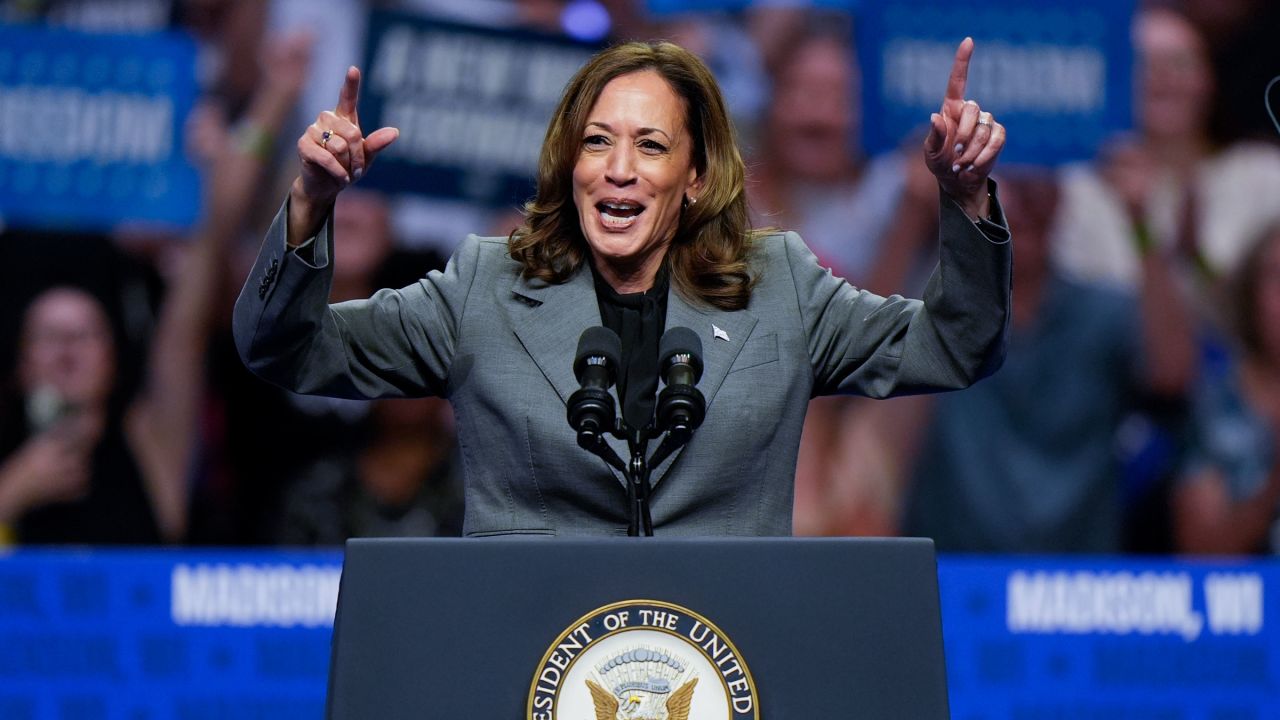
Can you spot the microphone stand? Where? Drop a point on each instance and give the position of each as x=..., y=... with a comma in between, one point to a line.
x=638, y=485
x=638, y=469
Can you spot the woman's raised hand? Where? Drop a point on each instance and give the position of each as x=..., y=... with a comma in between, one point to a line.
x=334, y=152
x=963, y=141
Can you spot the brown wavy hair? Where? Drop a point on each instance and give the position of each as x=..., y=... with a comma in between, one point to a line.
x=707, y=259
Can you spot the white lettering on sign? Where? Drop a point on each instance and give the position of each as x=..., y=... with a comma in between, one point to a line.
x=1119, y=603
x=254, y=595
x=1034, y=78
x=475, y=137
x=1233, y=602
x=469, y=100
x=65, y=125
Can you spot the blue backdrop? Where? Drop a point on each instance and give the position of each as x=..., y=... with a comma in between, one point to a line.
x=91, y=128
x=166, y=635
x=471, y=103
x=1056, y=73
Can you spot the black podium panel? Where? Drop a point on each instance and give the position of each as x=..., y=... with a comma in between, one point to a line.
x=829, y=628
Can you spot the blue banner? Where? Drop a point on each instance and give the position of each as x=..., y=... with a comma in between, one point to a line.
x=212, y=635
x=91, y=128
x=165, y=636
x=472, y=105
x=1056, y=73
x=1111, y=639
x=663, y=8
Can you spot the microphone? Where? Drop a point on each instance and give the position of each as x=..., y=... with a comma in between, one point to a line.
x=681, y=407
x=591, y=407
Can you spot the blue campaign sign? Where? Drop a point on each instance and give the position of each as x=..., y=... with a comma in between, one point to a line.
x=682, y=7
x=196, y=635
x=165, y=636
x=1056, y=73
x=472, y=105
x=1115, y=639
x=91, y=128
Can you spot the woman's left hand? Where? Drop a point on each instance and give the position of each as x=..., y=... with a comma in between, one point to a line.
x=963, y=141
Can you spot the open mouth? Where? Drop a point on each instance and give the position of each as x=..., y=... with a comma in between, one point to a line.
x=618, y=214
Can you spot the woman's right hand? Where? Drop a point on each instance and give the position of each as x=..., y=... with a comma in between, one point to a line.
x=333, y=153
x=50, y=467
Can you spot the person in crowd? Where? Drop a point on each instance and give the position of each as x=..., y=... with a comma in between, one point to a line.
x=813, y=176
x=402, y=482
x=1168, y=186
x=639, y=219
x=1025, y=462
x=1229, y=499
x=276, y=439
x=81, y=459
x=1241, y=39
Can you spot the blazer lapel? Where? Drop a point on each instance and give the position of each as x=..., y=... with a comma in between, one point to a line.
x=548, y=320
x=719, y=350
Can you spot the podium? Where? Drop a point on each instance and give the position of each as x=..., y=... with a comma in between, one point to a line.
x=580, y=629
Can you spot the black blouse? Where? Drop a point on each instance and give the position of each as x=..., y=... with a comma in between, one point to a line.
x=638, y=319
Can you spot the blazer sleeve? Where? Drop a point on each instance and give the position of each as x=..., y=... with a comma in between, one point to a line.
x=861, y=343
x=398, y=343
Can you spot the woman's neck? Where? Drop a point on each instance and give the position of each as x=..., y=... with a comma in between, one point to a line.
x=629, y=278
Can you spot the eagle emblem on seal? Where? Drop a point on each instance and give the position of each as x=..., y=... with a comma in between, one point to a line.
x=642, y=683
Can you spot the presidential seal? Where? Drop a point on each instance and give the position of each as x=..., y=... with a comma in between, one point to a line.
x=643, y=660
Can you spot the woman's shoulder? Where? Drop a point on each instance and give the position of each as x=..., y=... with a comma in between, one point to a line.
x=483, y=251
x=769, y=246
x=773, y=239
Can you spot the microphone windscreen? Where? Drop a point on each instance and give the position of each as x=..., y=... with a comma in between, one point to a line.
x=598, y=341
x=681, y=341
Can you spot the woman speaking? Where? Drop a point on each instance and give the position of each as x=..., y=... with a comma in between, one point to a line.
x=639, y=223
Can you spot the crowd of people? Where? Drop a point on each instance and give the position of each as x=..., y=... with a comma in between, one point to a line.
x=1138, y=408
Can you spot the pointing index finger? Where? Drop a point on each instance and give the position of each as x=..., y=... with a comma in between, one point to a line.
x=960, y=70
x=349, y=94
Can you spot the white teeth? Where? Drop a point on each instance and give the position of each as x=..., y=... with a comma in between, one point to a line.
x=619, y=215
x=614, y=221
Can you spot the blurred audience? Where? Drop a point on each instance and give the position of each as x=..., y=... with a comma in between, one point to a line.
x=401, y=482
x=128, y=417
x=1024, y=461
x=1169, y=186
x=1241, y=35
x=1229, y=497
x=873, y=221
x=272, y=435
x=86, y=459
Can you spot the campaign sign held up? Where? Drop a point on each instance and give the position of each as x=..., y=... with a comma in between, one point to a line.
x=472, y=105
x=1057, y=73
x=91, y=128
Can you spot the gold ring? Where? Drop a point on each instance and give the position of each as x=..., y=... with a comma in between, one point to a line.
x=984, y=118
x=324, y=139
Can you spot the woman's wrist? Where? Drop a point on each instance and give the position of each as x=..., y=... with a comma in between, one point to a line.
x=305, y=216
x=977, y=206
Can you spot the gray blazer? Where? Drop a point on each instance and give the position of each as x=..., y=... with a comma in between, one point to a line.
x=501, y=349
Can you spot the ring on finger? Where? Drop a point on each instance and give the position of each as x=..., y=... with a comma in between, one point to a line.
x=324, y=139
x=984, y=118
